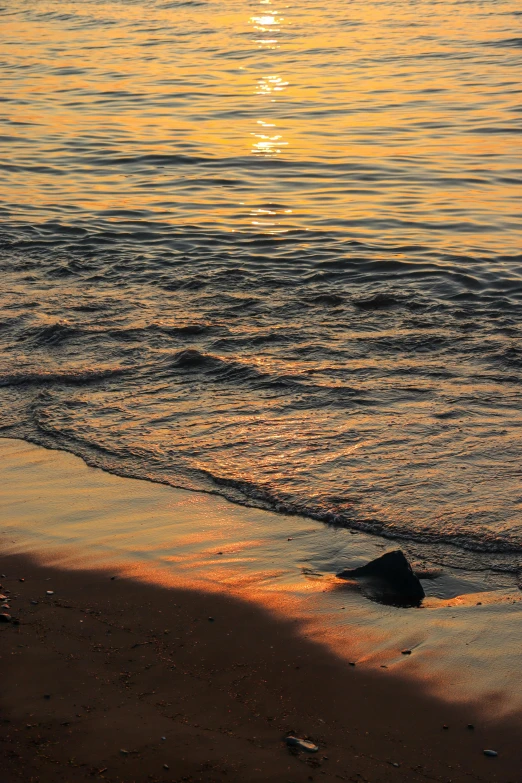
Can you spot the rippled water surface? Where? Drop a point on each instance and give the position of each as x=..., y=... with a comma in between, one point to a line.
x=272, y=251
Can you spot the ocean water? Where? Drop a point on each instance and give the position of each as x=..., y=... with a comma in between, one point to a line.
x=273, y=251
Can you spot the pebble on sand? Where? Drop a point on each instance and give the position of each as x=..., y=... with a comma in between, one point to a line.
x=491, y=753
x=5, y=618
x=49, y=592
x=406, y=652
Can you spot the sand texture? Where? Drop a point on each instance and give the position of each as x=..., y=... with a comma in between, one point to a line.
x=98, y=673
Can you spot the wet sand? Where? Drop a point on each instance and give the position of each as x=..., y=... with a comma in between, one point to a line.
x=98, y=673
x=466, y=638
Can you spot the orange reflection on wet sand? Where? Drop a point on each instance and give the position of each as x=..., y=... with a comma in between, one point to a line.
x=71, y=516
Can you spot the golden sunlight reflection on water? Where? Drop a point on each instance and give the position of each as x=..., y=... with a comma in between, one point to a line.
x=268, y=140
x=268, y=144
x=416, y=105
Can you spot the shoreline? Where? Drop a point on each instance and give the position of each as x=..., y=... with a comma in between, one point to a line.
x=438, y=551
x=98, y=672
x=467, y=636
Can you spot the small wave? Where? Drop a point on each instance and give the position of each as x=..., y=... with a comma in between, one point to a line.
x=515, y=43
x=379, y=301
x=328, y=300
x=69, y=377
x=225, y=370
x=188, y=330
x=182, y=3
x=145, y=333
x=51, y=334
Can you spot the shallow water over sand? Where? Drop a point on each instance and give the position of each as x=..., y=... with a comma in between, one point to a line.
x=273, y=252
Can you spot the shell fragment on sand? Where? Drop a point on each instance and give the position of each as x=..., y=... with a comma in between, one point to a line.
x=301, y=744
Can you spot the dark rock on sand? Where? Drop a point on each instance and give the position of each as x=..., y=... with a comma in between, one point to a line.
x=388, y=579
x=5, y=618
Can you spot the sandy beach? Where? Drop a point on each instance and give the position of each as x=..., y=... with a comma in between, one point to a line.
x=113, y=650
x=260, y=391
x=116, y=680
